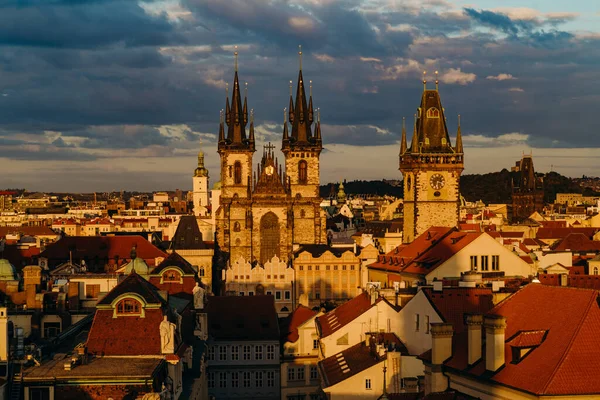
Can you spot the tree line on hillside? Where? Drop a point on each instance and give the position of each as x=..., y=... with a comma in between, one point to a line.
x=491, y=188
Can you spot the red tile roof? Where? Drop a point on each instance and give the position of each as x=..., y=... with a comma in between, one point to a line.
x=452, y=303
x=554, y=224
x=289, y=329
x=577, y=242
x=566, y=362
x=26, y=230
x=427, y=252
x=343, y=314
x=559, y=233
x=103, y=247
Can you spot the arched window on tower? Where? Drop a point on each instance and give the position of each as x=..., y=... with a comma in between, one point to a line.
x=433, y=113
x=269, y=237
x=302, y=172
x=595, y=270
x=237, y=173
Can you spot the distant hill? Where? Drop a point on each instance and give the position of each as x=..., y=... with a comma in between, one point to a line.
x=492, y=188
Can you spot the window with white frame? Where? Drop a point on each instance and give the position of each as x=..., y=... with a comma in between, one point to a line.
x=278, y=295
x=222, y=353
x=495, y=263
x=484, y=263
x=247, y=354
x=291, y=374
x=235, y=353
x=235, y=379
x=270, y=352
x=314, y=372
x=258, y=352
x=222, y=379
x=270, y=378
x=211, y=353
x=210, y=378
x=301, y=373
x=368, y=384
x=258, y=377
x=246, y=379
x=315, y=344
x=473, y=263
x=287, y=295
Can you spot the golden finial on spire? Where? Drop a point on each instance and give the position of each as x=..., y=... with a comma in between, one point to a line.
x=221, y=115
x=235, y=57
x=424, y=80
x=252, y=115
x=459, y=120
x=403, y=122
x=246, y=89
x=285, y=115
x=300, y=55
x=290, y=88
x=318, y=114
x=227, y=89
x=436, y=80
x=310, y=87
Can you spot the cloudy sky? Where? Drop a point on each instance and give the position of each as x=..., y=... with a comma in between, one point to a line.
x=99, y=95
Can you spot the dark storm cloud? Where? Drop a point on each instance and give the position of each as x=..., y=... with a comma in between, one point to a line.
x=499, y=21
x=82, y=25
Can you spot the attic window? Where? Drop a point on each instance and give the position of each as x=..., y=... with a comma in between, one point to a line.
x=524, y=342
x=129, y=307
x=433, y=113
x=171, y=276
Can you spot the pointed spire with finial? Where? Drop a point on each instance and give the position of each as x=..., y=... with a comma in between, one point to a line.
x=301, y=132
x=245, y=109
x=251, y=135
x=437, y=81
x=424, y=80
x=291, y=106
x=310, y=104
x=459, y=143
x=414, y=148
x=318, y=127
x=221, y=127
x=286, y=137
x=227, y=108
x=403, y=144
x=236, y=115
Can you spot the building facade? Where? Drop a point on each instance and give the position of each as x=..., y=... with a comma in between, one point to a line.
x=431, y=168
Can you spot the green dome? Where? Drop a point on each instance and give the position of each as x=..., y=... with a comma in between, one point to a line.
x=217, y=186
x=7, y=271
x=139, y=265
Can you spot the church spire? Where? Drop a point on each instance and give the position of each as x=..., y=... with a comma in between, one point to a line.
x=251, y=137
x=459, y=143
x=201, y=170
x=236, y=114
x=318, y=127
x=414, y=148
x=286, y=138
x=301, y=122
x=403, y=140
x=291, y=106
x=221, y=128
x=310, y=104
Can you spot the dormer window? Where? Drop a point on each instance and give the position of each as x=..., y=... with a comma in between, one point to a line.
x=433, y=113
x=129, y=307
x=171, y=275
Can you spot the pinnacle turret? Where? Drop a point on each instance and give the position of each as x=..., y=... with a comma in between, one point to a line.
x=403, y=145
x=459, y=143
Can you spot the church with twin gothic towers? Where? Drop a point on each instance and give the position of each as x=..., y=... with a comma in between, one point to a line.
x=267, y=211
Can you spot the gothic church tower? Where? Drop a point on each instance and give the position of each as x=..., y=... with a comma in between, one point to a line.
x=431, y=169
x=302, y=150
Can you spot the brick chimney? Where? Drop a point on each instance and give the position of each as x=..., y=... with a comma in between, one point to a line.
x=441, y=350
x=474, y=323
x=495, y=326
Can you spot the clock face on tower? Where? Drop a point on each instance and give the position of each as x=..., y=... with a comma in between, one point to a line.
x=437, y=181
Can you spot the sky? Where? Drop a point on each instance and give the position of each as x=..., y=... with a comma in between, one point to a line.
x=109, y=95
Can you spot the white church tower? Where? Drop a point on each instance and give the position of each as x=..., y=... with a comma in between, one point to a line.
x=200, y=188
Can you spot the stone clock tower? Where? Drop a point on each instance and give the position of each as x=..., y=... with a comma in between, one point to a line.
x=431, y=169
